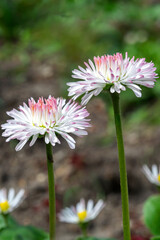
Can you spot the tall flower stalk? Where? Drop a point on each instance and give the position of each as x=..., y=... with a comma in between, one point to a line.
x=51, y=187
x=115, y=74
x=48, y=118
x=122, y=166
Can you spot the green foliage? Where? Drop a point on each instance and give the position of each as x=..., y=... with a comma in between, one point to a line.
x=15, y=15
x=14, y=231
x=7, y=220
x=23, y=233
x=2, y=222
x=155, y=238
x=151, y=211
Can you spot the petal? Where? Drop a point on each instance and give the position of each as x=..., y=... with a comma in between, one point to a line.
x=20, y=145
x=18, y=199
x=34, y=138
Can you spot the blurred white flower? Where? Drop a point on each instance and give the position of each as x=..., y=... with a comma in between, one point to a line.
x=82, y=212
x=10, y=201
x=152, y=175
x=114, y=73
x=46, y=117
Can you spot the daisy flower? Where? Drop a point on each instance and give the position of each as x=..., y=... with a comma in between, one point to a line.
x=81, y=213
x=152, y=175
x=114, y=73
x=10, y=201
x=46, y=117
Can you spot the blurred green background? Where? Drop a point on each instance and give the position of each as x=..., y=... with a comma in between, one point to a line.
x=68, y=32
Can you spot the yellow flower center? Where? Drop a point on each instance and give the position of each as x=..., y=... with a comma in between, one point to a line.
x=82, y=215
x=4, y=206
x=158, y=177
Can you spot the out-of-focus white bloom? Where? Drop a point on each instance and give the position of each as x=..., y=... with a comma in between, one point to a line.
x=46, y=117
x=113, y=73
x=152, y=175
x=10, y=201
x=82, y=212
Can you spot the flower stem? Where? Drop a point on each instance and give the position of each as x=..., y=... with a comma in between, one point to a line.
x=5, y=217
x=83, y=227
x=51, y=186
x=122, y=167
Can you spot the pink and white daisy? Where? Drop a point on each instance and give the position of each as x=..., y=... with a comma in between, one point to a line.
x=46, y=117
x=10, y=201
x=82, y=212
x=113, y=73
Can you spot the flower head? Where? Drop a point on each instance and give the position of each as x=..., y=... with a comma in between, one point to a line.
x=152, y=175
x=113, y=73
x=48, y=118
x=82, y=212
x=11, y=201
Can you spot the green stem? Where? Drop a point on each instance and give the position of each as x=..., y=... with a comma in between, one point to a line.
x=51, y=186
x=5, y=217
x=83, y=227
x=122, y=167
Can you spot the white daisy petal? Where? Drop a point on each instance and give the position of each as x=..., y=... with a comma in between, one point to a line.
x=21, y=144
x=90, y=206
x=11, y=194
x=154, y=170
x=33, y=140
x=98, y=207
x=18, y=198
x=152, y=175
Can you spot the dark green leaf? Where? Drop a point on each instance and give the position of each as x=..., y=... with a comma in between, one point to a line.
x=7, y=221
x=23, y=233
x=151, y=211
